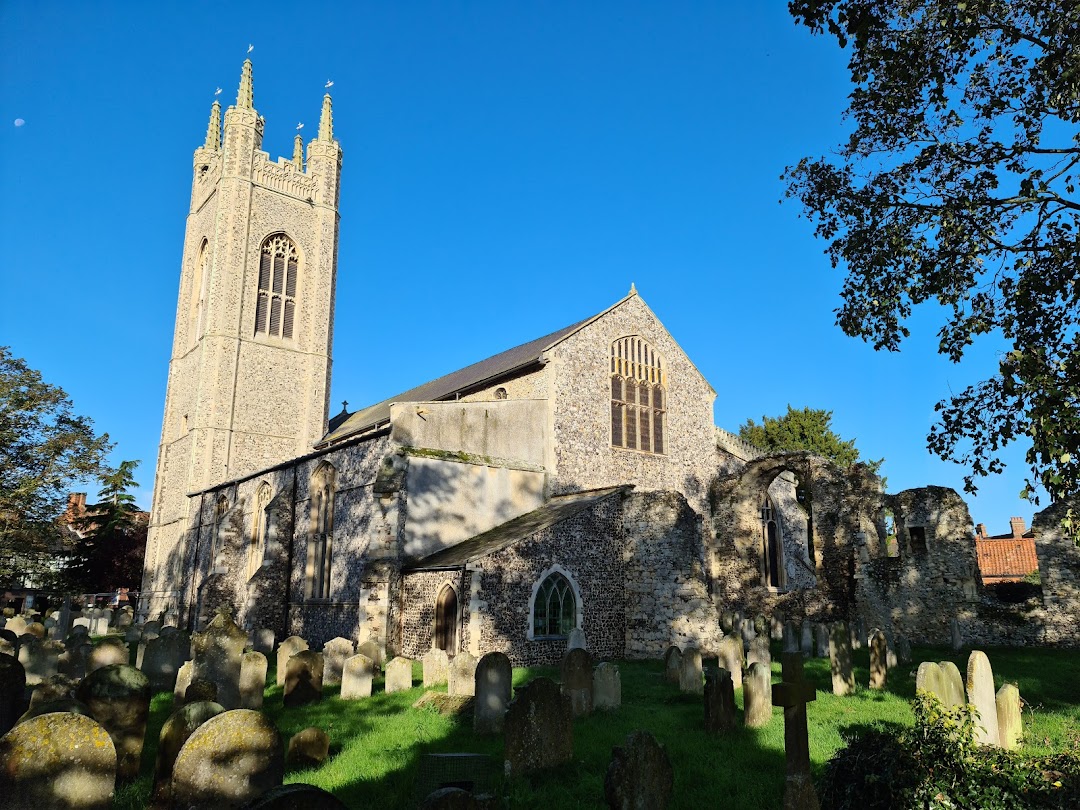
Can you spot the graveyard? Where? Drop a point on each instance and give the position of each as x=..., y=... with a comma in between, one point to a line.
x=172, y=721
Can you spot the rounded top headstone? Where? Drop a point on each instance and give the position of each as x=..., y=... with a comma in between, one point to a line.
x=114, y=681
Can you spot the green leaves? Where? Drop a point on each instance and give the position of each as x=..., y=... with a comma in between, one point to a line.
x=804, y=429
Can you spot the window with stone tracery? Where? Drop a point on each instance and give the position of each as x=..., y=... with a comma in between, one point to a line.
x=555, y=608
x=200, y=281
x=257, y=543
x=275, y=309
x=638, y=396
x=321, y=532
x=221, y=508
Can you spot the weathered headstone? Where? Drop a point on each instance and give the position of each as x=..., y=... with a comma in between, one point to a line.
x=1010, y=725
x=398, y=675
x=462, y=680
x=538, y=728
x=576, y=640
x=956, y=639
x=217, y=657
x=308, y=748
x=252, y=680
x=953, y=685
x=730, y=657
x=286, y=650
x=719, y=701
x=494, y=677
x=41, y=659
x=640, y=774
x=181, y=724
x=727, y=619
x=57, y=760
x=673, y=664
x=806, y=639
x=335, y=653
x=759, y=652
x=903, y=650
x=793, y=694
x=879, y=668
x=262, y=640
x=930, y=678
x=356, y=677
x=576, y=673
x=690, y=680
x=821, y=639
x=436, y=666
x=55, y=687
x=757, y=696
x=776, y=628
x=12, y=684
x=980, y=693
x=16, y=625
x=52, y=706
x=119, y=698
x=183, y=681
x=303, y=678
x=373, y=650
x=843, y=679
x=607, y=687
x=108, y=652
x=230, y=759
x=161, y=660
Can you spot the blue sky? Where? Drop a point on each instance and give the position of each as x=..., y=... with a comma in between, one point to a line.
x=509, y=168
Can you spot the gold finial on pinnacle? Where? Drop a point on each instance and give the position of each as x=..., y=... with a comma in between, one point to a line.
x=298, y=152
x=326, y=121
x=245, y=97
x=213, y=129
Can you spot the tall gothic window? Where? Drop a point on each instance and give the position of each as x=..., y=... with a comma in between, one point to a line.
x=276, y=307
x=321, y=532
x=257, y=543
x=638, y=396
x=771, y=546
x=200, y=282
x=555, y=608
x=221, y=508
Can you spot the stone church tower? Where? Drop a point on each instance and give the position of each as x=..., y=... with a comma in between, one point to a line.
x=249, y=378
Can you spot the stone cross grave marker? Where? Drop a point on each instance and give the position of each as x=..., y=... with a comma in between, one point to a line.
x=793, y=695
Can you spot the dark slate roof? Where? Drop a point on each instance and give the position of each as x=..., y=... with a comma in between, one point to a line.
x=558, y=509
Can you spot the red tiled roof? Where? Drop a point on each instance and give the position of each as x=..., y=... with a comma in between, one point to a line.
x=1006, y=560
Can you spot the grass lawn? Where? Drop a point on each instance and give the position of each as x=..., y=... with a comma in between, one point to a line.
x=376, y=744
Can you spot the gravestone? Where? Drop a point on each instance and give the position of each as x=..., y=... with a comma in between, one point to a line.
x=373, y=651
x=980, y=693
x=1010, y=725
x=201, y=690
x=761, y=626
x=217, y=652
x=953, y=685
x=879, y=667
x=903, y=650
x=118, y=697
x=12, y=685
x=793, y=695
x=436, y=666
x=727, y=619
x=57, y=760
x=72, y=662
x=296, y=797
x=232, y=758
x=183, y=681
x=640, y=774
x=730, y=657
x=162, y=658
x=106, y=653
x=41, y=659
x=719, y=701
x=576, y=673
x=262, y=640
x=759, y=652
x=843, y=679
x=956, y=639
x=821, y=639
x=607, y=687
x=286, y=650
x=303, y=678
x=8, y=648
x=335, y=653
x=690, y=680
x=462, y=679
x=398, y=675
x=35, y=629
x=576, y=640
x=181, y=724
x=52, y=706
x=252, y=680
x=494, y=677
x=309, y=748
x=673, y=664
x=55, y=687
x=356, y=677
x=776, y=628
x=930, y=678
x=858, y=633
x=757, y=696
x=806, y=639
x=538, y=728
x=16, y=625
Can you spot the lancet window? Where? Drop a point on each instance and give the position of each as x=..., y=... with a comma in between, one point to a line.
x=771, y=546
x=259, y=519
x=275, y=309
x=638, y=396
x=554, y=608
x=321, y=532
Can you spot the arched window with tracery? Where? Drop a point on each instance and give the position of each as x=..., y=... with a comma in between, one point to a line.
x=275, y=309
x=772, y=547
x=638, y=396
x=446, y=619
x=259, y=519
x=321, y=532
x=555, y=608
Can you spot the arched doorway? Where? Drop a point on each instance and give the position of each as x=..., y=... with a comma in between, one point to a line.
x=446, y=620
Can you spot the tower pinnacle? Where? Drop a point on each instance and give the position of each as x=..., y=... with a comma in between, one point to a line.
x=245, y=98
x=213, y=129
x=326, y=121
x=298, y=152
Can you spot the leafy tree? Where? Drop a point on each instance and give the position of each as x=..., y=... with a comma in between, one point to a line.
x=113, y=536
x=958, y=186
x=804, y=429
x=44, y=447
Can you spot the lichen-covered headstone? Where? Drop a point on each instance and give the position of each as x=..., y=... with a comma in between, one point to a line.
x=356, y=677
x=494, y=677
x=607, y=687
x=252, y=680
x=217, y=652
x=232, y=758
x=952, y=685
x=576, y=673
x=119, y=698
x=980, y=693
x=201, y=690
x=181, y=724
x=462, y=679
x=759, y=652
x=879, y=667
x=308, y=748
x=12, y=684
x=672, y=664
x=286, y=650
x=1010, y=725
x=335, y=653
x=436, y=666
x=303, y=678
x=57, y=760
x=55, y=687
x=757, y=696
x=843, y=679
x=538, y=729
x=398, y=675
x=690, y=680
x=719, y=701
x=730, y=655
x=640, y=774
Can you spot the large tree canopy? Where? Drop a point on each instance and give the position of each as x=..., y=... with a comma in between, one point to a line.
x=958, y=186
x=804, y=429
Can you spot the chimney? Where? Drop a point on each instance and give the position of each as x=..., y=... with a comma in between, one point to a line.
x=980, y=530
x=1018, y=528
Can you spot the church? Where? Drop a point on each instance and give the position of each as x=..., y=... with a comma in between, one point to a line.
x=576, y=481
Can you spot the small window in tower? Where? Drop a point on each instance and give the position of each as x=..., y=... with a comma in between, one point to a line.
x=275, y=306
